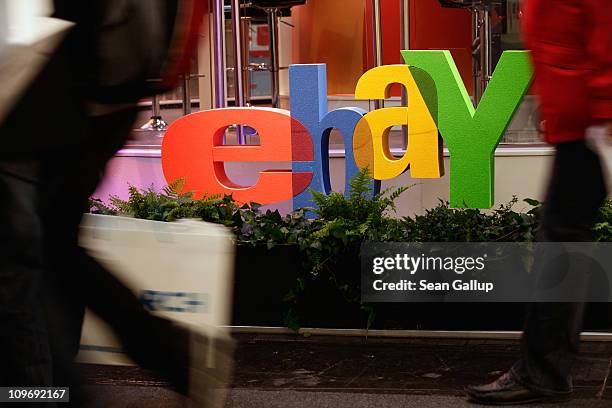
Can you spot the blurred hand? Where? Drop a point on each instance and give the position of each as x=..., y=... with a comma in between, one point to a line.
x=606, y=125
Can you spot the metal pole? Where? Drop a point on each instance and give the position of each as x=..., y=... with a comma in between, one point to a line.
x=486, y=55
x=246, y=59
x=405, y=23
x=405, y=45
x=476, y=64
x=187, y=94
x=238, y=67
x=377, y=42
x=155, y=107
x=219, y=75
x=377, y=25
x=274, y=55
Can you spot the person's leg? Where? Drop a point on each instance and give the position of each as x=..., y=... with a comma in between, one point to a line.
x=70, y=177
x=24, y=348
x=73, y=176
x=552, y=331
x=28, y=135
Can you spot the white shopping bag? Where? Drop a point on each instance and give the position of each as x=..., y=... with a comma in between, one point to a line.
x=182, y=270
x=599, y=141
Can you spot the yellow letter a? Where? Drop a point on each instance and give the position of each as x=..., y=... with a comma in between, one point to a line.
x=371, y=140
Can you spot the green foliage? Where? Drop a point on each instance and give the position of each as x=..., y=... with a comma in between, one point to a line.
x=249, y=224
x=445, y=224
x=603, y=229
x=343, y=221
x=271, y=228
x=172, y=204
x=97, y=206
x=332, y=242
x=359, y=203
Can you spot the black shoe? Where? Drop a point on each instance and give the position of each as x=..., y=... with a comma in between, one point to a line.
x=506, y=390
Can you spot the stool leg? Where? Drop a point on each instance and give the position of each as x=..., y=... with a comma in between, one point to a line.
x=187, y=94
x=219, y=78
x=273, y=16
x=156, y=122
x=239, y=81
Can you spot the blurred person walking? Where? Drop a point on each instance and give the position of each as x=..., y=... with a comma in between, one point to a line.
x=56, y=143
x=571, y=44
x=115, y=51
x=32, y=69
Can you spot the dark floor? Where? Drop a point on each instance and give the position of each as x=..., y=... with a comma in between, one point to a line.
x=288, y=371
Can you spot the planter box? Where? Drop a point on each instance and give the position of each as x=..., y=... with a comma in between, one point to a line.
x=263, y=278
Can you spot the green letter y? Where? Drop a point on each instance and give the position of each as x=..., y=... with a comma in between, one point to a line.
x=471, y=135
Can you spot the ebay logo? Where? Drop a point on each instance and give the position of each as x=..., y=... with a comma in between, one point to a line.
x=438, y=109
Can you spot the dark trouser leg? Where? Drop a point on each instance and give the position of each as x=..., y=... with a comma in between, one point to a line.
x=70, y=177
x=552, y=332
x=153, y=342
x=24, y=347
x=29, y=134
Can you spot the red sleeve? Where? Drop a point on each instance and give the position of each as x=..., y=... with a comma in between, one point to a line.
x=599, y=43
x=554, y=32
x=571, y=47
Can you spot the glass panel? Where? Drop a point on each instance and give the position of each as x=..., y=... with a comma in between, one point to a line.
x=260, y=80
x=507, y=36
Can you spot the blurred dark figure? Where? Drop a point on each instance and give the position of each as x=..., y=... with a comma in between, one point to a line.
x=571, y=43
x=29, y=137
x=56, y=143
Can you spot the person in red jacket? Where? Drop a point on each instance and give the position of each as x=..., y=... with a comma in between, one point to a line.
x=571, y=43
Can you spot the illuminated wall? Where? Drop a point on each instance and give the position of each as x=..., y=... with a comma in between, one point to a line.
x=332, y=32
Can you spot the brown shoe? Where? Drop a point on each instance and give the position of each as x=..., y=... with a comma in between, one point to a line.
x=506, y=390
